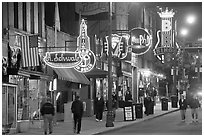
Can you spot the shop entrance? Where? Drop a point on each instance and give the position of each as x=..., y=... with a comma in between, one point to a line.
x=9, y=106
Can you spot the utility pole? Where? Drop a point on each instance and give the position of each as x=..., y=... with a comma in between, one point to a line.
x=109, y=119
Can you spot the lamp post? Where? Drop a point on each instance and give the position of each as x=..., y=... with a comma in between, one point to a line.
x=109, y=119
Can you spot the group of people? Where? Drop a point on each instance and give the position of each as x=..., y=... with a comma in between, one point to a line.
x=48, y=111
x=193, y=104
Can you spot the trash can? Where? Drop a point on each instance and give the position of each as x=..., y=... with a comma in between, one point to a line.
x=174, y=101
x=139, y=110
x=164, y=104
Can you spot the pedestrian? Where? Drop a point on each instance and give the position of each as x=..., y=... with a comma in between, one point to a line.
x=194, y=105
x=77, y=110
x=47, y=111
x=99, y=105
x=147, y=104
x=128, y=96
x=114, y=104
x=183, y=107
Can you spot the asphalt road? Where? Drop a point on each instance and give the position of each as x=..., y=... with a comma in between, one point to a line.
x=169, y=124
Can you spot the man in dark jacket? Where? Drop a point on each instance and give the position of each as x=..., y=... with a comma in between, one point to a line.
x=47, y=111
x=147, y=104
x=77, y=110
x=99, y=108
x=183, y=107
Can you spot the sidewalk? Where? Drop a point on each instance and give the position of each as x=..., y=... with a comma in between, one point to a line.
x=91, y=127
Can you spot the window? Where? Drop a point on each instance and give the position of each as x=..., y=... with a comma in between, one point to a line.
x=15, y=14
x=24, y=16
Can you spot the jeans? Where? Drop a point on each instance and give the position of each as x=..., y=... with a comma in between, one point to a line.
x=183, y=114
x=77, y=123
x=48, y=119
x=99, y=114
x=194, y=113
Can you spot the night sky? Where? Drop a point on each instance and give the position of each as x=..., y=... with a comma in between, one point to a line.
x=182, y=9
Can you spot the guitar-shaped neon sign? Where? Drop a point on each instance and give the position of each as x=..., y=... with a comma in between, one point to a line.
x=166, y=45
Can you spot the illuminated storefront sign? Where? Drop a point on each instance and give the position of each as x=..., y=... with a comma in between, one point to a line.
x=83, y=59
x=140, y=41
x=119, y=45
x=166, y=45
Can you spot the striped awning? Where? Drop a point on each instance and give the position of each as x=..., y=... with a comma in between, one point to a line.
x=72, y=75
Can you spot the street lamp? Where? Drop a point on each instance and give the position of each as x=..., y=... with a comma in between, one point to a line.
x=184, y=32
x=109, y=119
x=190, y=19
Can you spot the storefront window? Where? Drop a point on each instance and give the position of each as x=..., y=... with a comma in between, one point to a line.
x=29, y=98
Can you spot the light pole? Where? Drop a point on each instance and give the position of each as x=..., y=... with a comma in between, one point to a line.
x=109, y=118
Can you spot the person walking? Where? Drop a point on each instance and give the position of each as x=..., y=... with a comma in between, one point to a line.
x=77, y=110
x=47, y=111
x=147, y=104
x=99, y=108
x=194, y=105
x=183, y=107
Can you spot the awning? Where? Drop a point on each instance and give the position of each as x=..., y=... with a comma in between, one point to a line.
x=96, y=73
x=72, y=75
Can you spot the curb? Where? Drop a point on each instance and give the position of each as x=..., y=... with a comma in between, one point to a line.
x=150, y=118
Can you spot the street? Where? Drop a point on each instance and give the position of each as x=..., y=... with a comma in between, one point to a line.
x=169, y=124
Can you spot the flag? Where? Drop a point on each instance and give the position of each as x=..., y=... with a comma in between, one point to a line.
x=57, y=18
x=29, y=49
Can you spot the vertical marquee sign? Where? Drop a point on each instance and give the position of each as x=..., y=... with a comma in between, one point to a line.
x=165, y=46
x=82, y=60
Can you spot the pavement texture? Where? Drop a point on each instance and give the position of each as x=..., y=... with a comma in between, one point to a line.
x=91, y=127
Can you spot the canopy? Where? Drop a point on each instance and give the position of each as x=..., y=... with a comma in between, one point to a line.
x=72, y=75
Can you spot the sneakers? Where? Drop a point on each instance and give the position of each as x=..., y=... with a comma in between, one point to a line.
x=97, y=120
x=101, y=120
x=45, y=133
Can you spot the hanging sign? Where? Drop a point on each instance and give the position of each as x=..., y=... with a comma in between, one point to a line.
x=82, y=60
x=166, y=45
x=140, y=41
x=119, y=45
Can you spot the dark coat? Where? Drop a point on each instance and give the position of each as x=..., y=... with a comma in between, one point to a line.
x=99, y=104
x=47, y=108
x=194, y=103
x=147, y=101
x=182, y=104
x=128, y=97
x=77, y=108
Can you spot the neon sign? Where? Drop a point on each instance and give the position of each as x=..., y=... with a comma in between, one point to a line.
x=140, y=41
x=119, y=45
x=82, y=60
x=164, y=47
